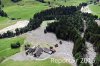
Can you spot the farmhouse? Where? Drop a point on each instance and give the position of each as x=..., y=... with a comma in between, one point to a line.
x=38, y=52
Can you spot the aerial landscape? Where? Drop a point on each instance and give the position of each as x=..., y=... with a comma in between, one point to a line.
x=49, y=32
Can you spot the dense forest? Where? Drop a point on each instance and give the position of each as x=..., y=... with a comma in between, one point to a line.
x=68, y=25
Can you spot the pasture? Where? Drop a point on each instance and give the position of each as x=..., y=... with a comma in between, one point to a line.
x=33, y=63
x=5, y=22
x=23, y=10
x=95, y=9
x=5, y=46
x=67, y=2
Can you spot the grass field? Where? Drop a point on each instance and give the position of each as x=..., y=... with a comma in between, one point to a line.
x=68, y=2
x=24, y=9
x=4, y=22
x=95, y=9
x=5, y=49
x=33, y=63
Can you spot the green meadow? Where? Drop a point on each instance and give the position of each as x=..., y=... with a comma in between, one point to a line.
x=67, y=2
x=5, y=22
x=95, y=9
x=33, y=63
x=5, y=46
x=24, y=10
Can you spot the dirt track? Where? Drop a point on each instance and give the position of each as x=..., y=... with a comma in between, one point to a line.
x=19, y=24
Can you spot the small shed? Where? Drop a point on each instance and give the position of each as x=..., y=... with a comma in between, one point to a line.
x=46, y=50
